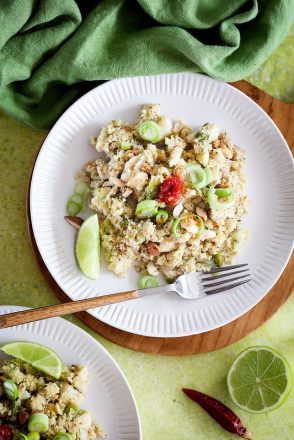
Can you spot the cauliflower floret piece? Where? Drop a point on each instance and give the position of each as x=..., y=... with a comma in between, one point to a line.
x=81, y=379
x=70, y=395
x=175, y=156
x=37, y=403
x=167, y=245
x=150, y=111
x=51, y=390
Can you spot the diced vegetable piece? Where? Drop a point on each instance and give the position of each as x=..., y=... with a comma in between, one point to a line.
x=81, y=187
x=125, y=145
x=20, y=436
x=196, y=176
x=216, y=203
x=223, y=192
x=146, y=209
x=62, y=436
x=151, y=189
x=10, y=389
x=146, y=281
x=198, y=221
x=38, y=422
x=33, y=435
x=208, y=175
x=161, y=216
x=150, y=131
x=219, y=259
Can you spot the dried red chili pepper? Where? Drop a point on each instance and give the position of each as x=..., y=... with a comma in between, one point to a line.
x=170, y=190
x=220, y=413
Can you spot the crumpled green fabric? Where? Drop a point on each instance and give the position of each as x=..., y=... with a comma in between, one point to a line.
x=52, y=51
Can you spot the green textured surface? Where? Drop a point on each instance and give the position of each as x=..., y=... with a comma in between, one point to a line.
x=166, y=413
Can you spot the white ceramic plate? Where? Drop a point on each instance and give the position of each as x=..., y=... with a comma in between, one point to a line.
x=108, y=396
x=196, y=99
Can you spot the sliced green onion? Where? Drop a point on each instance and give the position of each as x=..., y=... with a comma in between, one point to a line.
x=161, y=216
x=223, y=192
x=10, y=389
x=216, y=203
x=146, y=209
x=176, y=223
x=151, y=189
x=62, y=436
x=33, y=435
x=150, y=131
x=125, y=145
x=38, y=422
x=72, y=407
x=74, y=204
x=81, y=187
x=20, y=436
x=219, y=259
x=146, y=281
x=209, y=176
x=196, y=176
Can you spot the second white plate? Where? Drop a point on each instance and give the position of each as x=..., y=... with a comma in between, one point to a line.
x=108, y=395
x=196, y=99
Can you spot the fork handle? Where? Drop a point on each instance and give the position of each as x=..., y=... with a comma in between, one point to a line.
x=25, y=316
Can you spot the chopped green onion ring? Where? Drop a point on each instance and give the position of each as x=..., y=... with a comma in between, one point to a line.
x=146, y=209
x=215, y=203
x=223, y=192
x=146, y=281
x=10, y=389
x=33, y=435
x=150, y=131
x=20, y=436
x=81, y=187
x=125, y=145
x=62, y=436
x=176, y=223
x=209, y=176
x=72, y=208
x=196, y=176
x=38, y=422
x=161, y=216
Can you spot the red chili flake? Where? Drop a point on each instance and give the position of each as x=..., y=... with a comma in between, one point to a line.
x=170, y=190
x=5, y=432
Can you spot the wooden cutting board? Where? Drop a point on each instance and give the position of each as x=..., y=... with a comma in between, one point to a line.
x=283, y=116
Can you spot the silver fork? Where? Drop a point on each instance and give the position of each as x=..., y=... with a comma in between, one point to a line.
x=200, y=284
x=191, y=286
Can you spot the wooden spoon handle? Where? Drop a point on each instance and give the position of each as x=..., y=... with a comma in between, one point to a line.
x=31, y=315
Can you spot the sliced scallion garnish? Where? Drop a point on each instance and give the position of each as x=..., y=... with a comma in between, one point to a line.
x=161, y=216
x=38, y=422
x=196, y=176
x=150, y=131
x=222, y=202
x=146, y=209
x=10, y=389
x=146, y=281
x=198, y=220
x=223, y=192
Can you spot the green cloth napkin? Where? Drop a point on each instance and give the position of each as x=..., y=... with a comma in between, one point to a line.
x=52, y=51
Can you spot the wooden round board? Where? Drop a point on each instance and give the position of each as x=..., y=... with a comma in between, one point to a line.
x=283, y=115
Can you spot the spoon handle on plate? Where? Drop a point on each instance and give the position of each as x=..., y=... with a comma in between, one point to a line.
x=25, y=316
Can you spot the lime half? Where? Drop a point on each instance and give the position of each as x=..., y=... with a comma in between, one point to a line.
x=37, y=355
x=88, y=247
x=259, y=380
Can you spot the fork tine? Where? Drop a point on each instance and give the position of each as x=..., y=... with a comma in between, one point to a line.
x=219, y=283
x=223, y=289
x=226, y=274
x=223, y=269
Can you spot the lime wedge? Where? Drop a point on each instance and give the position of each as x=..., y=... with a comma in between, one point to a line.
x=37, y=355
x=88, y=247
x=259, y=380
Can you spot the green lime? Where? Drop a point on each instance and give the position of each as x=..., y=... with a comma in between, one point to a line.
x=260, y=379
x=37, y=355
x=88, y=247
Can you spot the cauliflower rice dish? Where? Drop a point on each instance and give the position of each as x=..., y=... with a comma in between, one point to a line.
x=169, y=198
x=30, y=397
